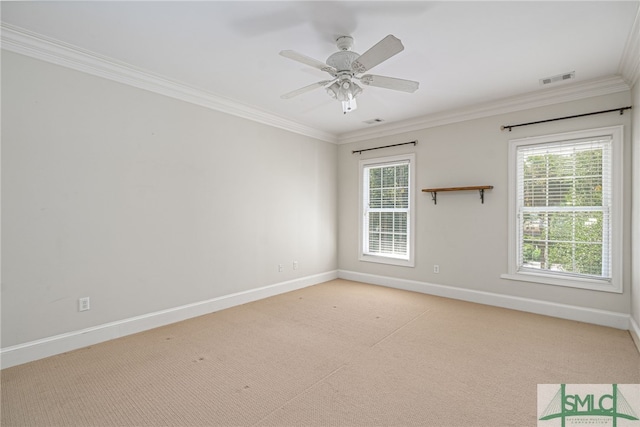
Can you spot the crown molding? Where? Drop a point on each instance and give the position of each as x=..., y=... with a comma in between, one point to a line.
x=24, y=42
x=629, y=67
x=570, y=92
x=19, y=40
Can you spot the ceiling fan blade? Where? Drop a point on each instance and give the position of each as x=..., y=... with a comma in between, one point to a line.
x=308, y=61
x=390, y=83
x=306, y=89
x=380, y=52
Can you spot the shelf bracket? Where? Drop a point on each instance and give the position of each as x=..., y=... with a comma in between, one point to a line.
x=481, y=195
x=434, y=195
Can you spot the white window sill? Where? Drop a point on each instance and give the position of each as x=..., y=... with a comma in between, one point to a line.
x=380, y=259
x=572, y=282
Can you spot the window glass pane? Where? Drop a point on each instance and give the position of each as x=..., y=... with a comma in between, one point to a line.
x=375, y=178
x=402, y=176
x=587, y=191
x=544, y=185
x=374, y=242
x=402, y=198
x=375, y=198
x=563, y=241
x=569, y=177
x=388, y=177
x=386, y=243
x=400, y=222
x=386, y=225
x=588, y=259
x=400, y=244
x=388, y=198
x=559, y=226
x=590, y=227
x=374, y=221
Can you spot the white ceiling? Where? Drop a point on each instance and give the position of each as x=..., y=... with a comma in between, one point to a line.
x=462, y=53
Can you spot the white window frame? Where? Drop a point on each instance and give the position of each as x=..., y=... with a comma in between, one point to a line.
x=614, y=284
x=409, y=260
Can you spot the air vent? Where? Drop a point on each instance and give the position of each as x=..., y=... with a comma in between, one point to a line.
x=373, y=121
x=558, y=78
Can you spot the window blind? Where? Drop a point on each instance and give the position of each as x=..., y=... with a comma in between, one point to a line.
x=564, y=199
x=387, y=210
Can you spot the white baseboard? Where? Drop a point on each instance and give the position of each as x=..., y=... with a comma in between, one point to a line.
x=634, y=330
x=38, y=349
x=563, y=311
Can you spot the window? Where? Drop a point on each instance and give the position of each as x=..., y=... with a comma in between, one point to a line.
x=565, y=209
x=386, y=188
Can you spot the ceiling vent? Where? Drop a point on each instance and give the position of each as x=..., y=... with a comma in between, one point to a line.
x=373, y=121
x=558, y=78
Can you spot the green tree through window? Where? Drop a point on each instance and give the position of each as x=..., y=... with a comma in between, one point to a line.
x=564, y=214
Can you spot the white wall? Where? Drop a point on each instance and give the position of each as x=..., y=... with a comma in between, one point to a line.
x=635, y=217
x=144, y=203
x=467, y=239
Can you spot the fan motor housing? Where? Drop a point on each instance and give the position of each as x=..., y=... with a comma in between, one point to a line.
x=342, y=60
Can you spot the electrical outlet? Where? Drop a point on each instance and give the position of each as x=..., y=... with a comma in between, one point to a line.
x=295, y=265
x=280, y=268
x=436, y=268
x=84, y=304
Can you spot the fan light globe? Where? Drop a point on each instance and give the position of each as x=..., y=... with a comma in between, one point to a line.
x=334, y=90
x=345, y=91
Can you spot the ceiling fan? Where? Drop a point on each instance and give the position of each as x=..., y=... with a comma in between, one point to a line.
x=345, y=66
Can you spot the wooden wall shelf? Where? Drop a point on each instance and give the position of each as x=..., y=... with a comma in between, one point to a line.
x=434, y=191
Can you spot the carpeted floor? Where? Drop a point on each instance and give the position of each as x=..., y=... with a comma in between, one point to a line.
x=339, y=353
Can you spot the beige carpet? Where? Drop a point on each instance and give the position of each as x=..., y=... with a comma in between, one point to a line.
x=335, y=354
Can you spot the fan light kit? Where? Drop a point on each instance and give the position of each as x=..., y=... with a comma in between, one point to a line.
x=345, y=66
